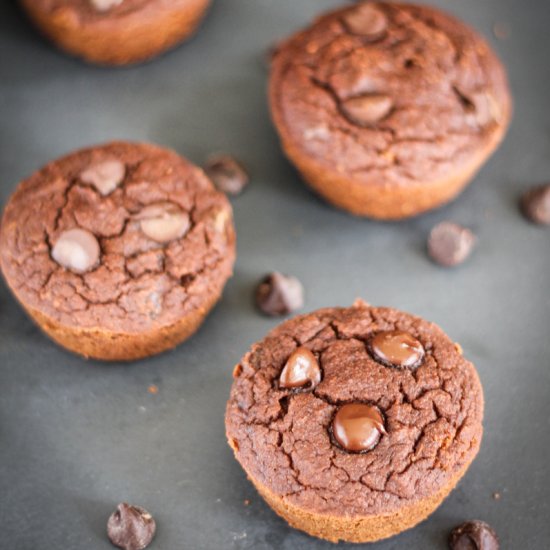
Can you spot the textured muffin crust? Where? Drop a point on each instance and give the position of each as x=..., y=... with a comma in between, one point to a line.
x=433, y=418
x=388, y=109
x=144, y=295
x=111, y=32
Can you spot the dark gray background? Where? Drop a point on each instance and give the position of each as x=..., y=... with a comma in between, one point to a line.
x=76, y=437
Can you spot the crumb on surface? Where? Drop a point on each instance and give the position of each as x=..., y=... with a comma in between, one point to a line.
x=501, y=30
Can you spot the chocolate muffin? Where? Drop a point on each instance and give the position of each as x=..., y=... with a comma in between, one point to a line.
x=355, y=423
x=388, y=110
x=116, y=32
x=118, y=251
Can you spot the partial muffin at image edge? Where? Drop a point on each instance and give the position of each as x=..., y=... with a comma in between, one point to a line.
x=388, y=110
x=118, y=251
x=116, y=32
x=355, y=423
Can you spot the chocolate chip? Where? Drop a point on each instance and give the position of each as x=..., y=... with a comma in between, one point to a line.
x=481, y=108
x=227, y=174
x=104, y=5
x=487, y=110
x=449, y=244
x=221, y=221
x=301, y=370
x=396, y=348
x=105, y=176
x=535, y=204
x=77, y=250
x=358, y=427
x=366, y=20
x=473, y=535
x=367, y=110
x=279, y=294
x=164, y=222
x=131, y=527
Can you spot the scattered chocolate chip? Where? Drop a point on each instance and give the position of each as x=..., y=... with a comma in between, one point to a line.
x=535, y=204
x=473, y=535
x=396, y=348
x=77, y=250
x=227, y=174
x=131, y=527
x=449, y=244
x=279, y=294
x=164, y=222
x=301, y=370
x=104, y=5
x=105, y=176
x=367, y=110
x=358, y=427
x=366, y=20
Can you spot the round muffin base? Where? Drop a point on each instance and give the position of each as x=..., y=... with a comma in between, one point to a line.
x=382, y=202
x=357, y=529
x=139, y=39
x=107, y=345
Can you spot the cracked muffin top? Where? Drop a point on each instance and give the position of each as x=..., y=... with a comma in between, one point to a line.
x=126, y=237
x=388, y=93
x=355, y=411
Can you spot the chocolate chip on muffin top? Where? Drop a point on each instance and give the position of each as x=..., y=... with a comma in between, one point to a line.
x=105, y=5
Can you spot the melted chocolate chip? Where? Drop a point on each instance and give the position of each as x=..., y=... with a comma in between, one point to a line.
x=105, y=5
x=77, y=250
x=450, y=244
x=164, y=222
x=227, y=174
x=396, y=348
x=487, y=109
x=131, y=527
x=481, y=107
x=301, y=370
x=473, y=535
x=279, y=294
x=105, y=176
x=535, y=204
x=366, y=20
x=358, y=427
x=367, y=110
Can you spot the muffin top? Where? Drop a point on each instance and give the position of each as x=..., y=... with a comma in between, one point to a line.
x=388, y=93
x=126, y=237
x=355, y=411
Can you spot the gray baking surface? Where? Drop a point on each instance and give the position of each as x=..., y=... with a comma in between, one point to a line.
x=77, y=437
